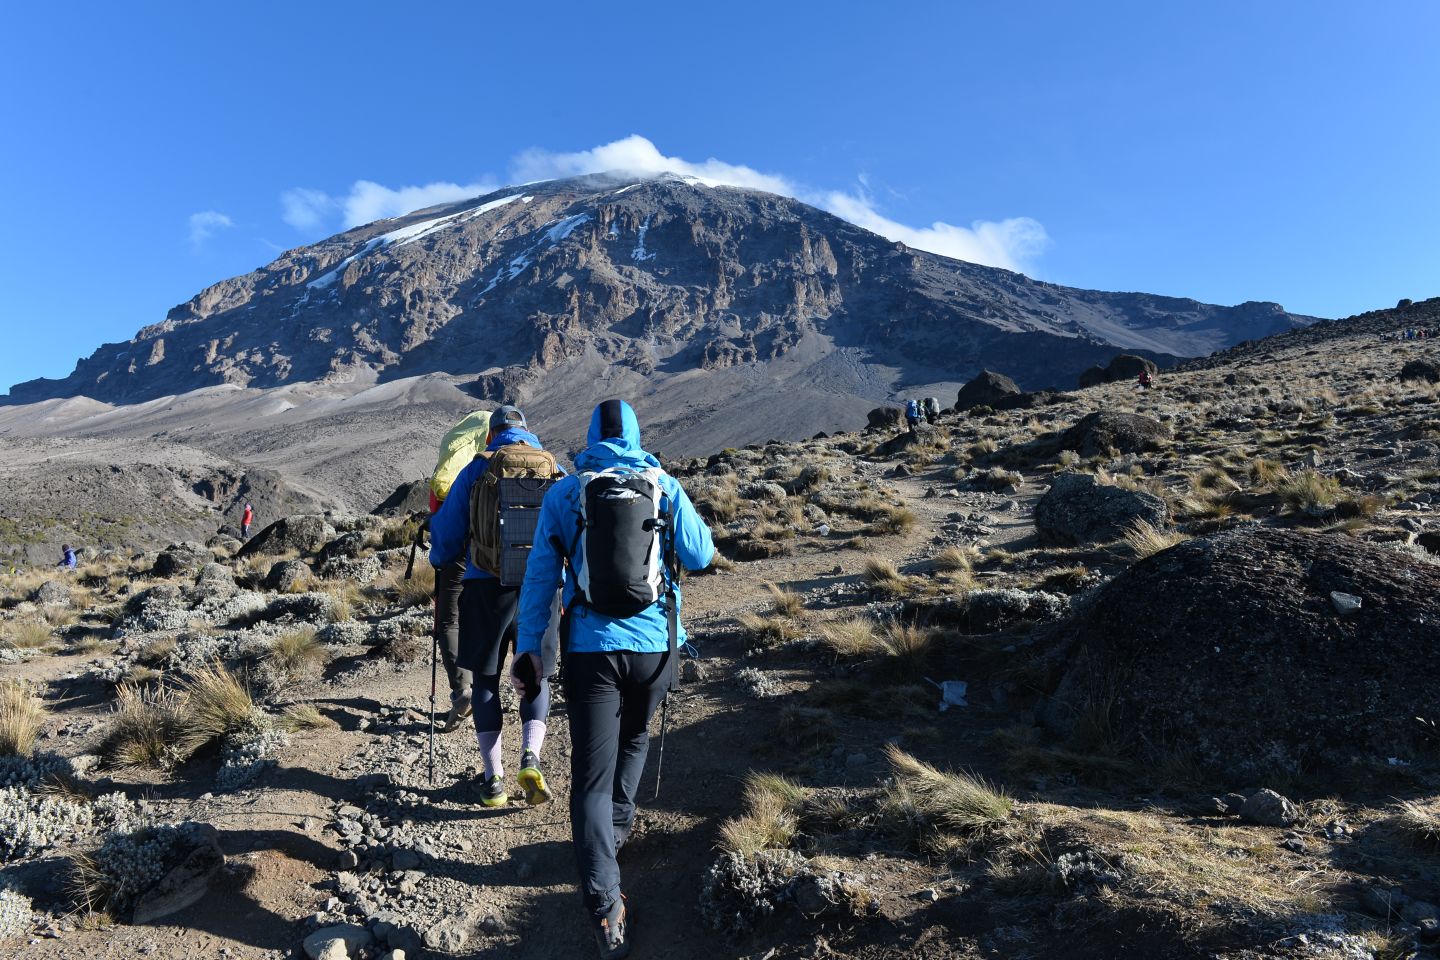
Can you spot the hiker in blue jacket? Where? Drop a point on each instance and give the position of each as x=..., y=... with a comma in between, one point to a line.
x=617, y=669
x=487, y=626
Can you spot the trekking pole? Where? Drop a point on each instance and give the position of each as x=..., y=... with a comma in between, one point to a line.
x=434, y=650
x=660, y=757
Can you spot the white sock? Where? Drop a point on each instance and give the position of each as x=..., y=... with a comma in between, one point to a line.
x=490, y=753
x=532, y=736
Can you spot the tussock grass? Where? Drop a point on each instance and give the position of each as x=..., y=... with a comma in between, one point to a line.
x=1309, y=491
x=28, y=634
x=1420, y=822
x=771, y=818
x=22, y=715
x=216, y=703
x=768, y=631
x=1145, y=539
x=957, y=804
x=304, y=716
x=145, y=728
x=885, y=576
x=419, y=590
x=297, y=654
x=957, y=559
x=851, y=637
x=894, y=520
x=785, y=603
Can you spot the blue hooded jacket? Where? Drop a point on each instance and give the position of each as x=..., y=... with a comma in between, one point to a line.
x=450, y=526
x=592, y=632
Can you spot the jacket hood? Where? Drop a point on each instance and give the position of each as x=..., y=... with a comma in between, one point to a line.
x=614, y=439
x=513, y=435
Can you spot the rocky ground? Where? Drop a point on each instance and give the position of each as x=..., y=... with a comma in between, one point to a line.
x=1101, y=674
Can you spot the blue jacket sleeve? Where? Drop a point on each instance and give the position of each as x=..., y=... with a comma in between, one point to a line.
x=693, y=544
x=544, y=571
x=450, y=526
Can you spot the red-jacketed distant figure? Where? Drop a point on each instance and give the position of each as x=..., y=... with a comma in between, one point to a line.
x=245, y=520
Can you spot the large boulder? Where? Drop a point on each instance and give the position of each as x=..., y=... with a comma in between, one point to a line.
x=884, y=418
x=1129, y=367
x=986, y=390
x=1093, y=377
x=1100, y=432
x=1425, y=371
x=1229, y=651
x=1079, y=509
x=180, y=559
x=52, y=593
x=306, y=532
x=195, y=859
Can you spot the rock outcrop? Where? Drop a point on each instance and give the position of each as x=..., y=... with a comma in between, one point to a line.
x=1078, y=509
x=1227, y=651
x=1103, y=431
x=986, y=390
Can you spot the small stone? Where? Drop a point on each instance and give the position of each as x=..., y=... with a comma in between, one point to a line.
x=347, y=860
x=1383, y=902
x=350, y=938
x=691, y=671
x=1345, y=603
x=404, y=860
x=1429, y=931
x=1418, y=911
x=396, y=954
x=1230, y=804
x=856, y=760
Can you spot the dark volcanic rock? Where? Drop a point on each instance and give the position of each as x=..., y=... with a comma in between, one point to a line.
x=1124, y=367
x=1227, y=650
x=306, y=533
x=884, y=418
x=180, y=558
x=1100, y=432
x=985, y=390
x=1420, y=369
x=1079, y=509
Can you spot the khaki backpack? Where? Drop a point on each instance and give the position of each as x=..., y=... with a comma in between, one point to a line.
x=505, y=506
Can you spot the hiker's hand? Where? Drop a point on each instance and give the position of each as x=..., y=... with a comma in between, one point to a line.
x=519, y=673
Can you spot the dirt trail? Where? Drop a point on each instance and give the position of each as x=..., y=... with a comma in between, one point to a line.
x=509, y=874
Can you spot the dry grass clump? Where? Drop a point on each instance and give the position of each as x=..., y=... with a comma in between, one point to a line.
x=719, y=502
x=770, y=530
x=1420, y=822
x=146, y=727
x=297, y=654
x=951, y=804
x=851, y=637
x=894, y=520
x=786, y=603
x=419, y=590
x=216, y=703
x=21, y=717
x=304, y=716
x=768, y=631
x=885, y=576
x=957, y=559
x=1145, y=539
x=997, y=480
x=1266, y=473
x=771, y=817
x=28, y=634
x=1309, y=491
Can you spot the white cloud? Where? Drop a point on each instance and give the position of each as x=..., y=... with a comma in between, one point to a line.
x=369, y=201
x=204, y=224
x=306, y=209
x=1014, y=243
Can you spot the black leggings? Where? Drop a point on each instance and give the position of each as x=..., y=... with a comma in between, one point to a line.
x=610, y=698
x=487, y=636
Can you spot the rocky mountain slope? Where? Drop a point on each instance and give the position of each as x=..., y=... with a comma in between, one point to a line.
x=564, y=288
x=1107, y=674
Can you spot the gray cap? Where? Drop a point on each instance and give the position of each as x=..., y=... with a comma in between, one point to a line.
x=506, y=417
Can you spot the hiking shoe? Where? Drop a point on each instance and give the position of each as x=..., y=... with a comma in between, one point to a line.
x=492, y=792
x=611, y=933
x=532, y=781
x=461, y=706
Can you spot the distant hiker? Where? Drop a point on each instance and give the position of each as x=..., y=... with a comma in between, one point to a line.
x=461, y=445
x=912, y=414
x=470, y=521
x=1146, y=381
x=68, y=558
x=246, y=518
x=625, y=526
x=932, y=409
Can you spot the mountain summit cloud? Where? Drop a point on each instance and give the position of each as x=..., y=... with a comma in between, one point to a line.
x=1013, y=244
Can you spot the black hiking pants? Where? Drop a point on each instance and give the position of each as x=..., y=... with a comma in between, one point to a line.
x=611, y=697
x=449, y=581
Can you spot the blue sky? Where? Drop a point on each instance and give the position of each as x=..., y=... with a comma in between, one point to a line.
x=1227, y=151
